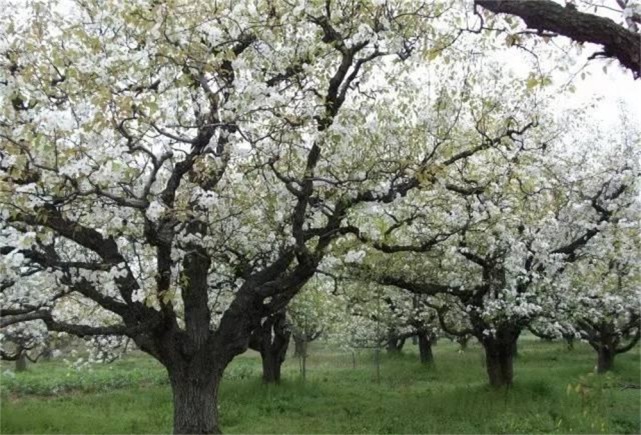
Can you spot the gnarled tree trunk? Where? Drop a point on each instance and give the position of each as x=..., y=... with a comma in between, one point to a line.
x=499, y=362
x=271, y=340
x=195, y=397
x=605, y=359
x=500, y=349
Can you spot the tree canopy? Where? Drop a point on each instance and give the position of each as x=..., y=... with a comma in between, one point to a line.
x=175, y=172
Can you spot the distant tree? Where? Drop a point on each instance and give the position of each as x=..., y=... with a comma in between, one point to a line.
x=313, y=312
x=271, y=340
x=495, y=258
x=21, y=343
x=604, y=294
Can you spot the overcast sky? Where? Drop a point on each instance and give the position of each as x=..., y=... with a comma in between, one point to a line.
x=610, y=89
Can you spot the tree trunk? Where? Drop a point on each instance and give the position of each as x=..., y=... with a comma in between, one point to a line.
x=569, y=342
x=271, y=339
x=377, y=362
x=195, y=395
x=499, y=363
x=395, y=345
x=47, y=354
x=515, y=349
x=425, y=349
x=462, y=341
x=300, y=350
x=303, y=366
x=300, y=346
x=21, y=362
x=605, y=343
x=605, y=360
x=272, y=363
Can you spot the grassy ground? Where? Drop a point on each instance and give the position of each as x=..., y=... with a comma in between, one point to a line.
x=553, y=392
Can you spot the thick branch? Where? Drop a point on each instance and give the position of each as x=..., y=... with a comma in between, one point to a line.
x=24, y=317
x=416, y=287
x=548, y=16
x=633, y=342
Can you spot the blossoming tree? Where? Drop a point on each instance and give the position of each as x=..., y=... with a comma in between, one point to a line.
x=181, y=167
x=497, y=257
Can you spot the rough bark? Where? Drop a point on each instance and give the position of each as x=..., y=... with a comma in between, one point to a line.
x=499, y=363
x=271, y=339
x=272, y=362
x=425, y=349
x=195, y=396
x=605, y=359
x=548, y=16
x=605, y=344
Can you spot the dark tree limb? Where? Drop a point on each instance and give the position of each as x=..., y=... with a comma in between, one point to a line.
x=633, y=341
x=548, y=16
x=423, y=288
x=22, y=317
x=84, y=330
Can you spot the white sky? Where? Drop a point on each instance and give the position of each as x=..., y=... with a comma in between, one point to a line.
x=609, y=90
x=614, y=86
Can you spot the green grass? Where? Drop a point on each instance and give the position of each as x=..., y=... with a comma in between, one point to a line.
x=554, y=391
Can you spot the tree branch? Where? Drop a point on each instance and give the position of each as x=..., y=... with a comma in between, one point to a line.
x=548, y=16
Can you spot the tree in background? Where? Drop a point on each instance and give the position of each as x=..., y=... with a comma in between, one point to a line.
x=495, y=257
x=23, y=342
x=313, y=313
x=603, y=292
x=271, y=340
